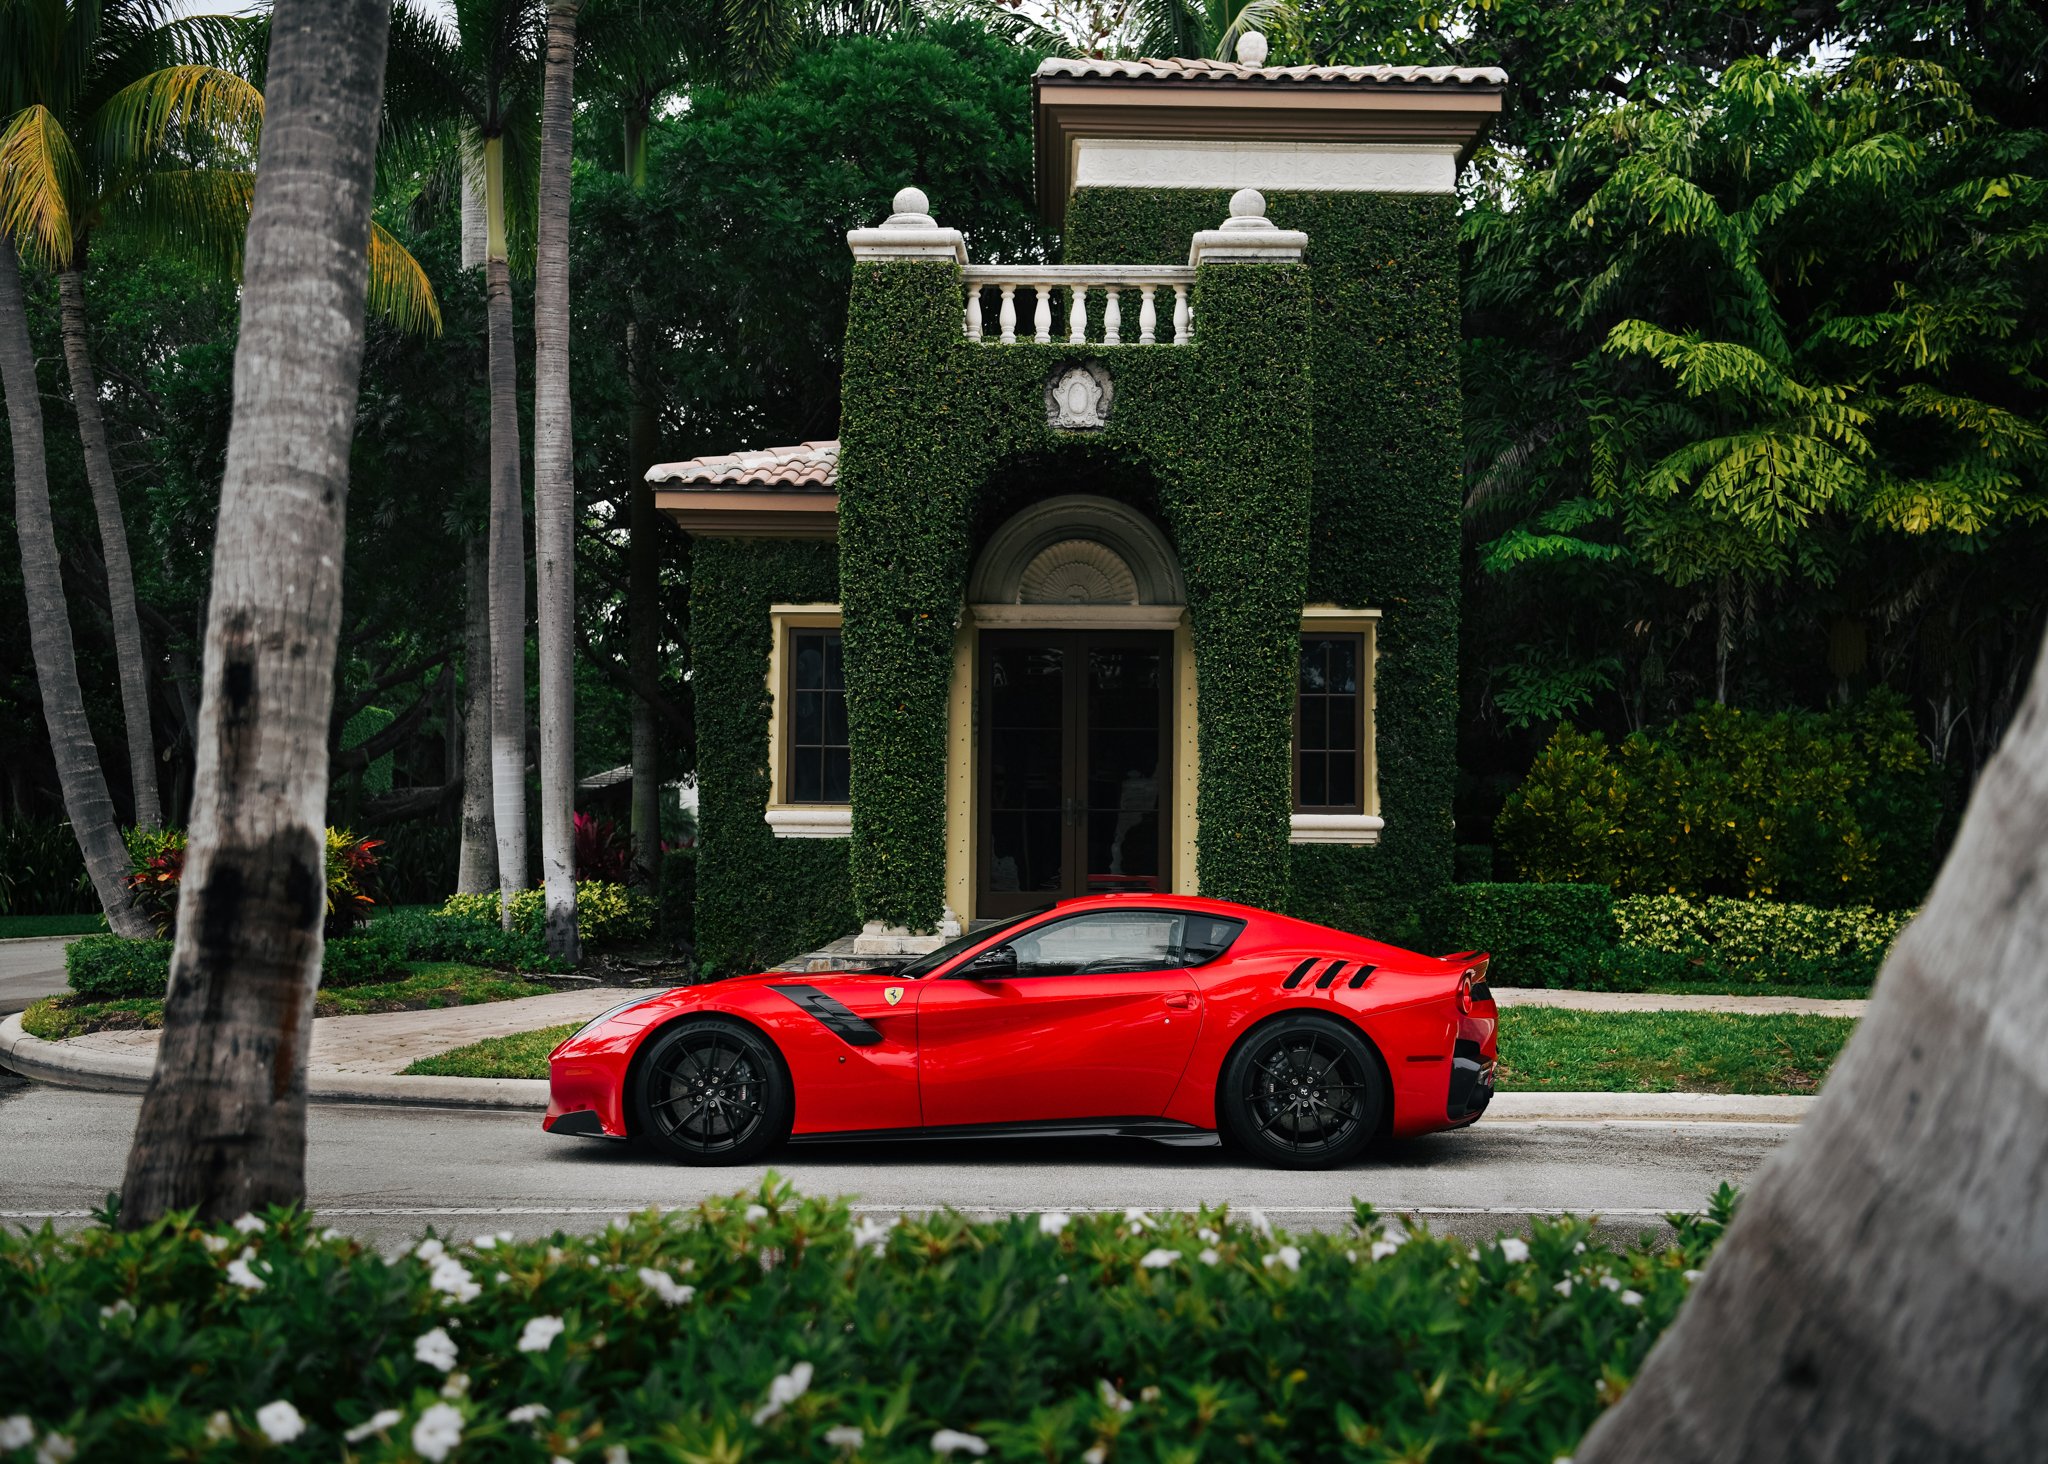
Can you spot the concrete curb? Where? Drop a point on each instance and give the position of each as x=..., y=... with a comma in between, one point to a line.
x=62, y=1066
x=1648, y=1108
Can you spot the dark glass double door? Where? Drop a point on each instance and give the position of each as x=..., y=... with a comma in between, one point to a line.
x=1075, y=763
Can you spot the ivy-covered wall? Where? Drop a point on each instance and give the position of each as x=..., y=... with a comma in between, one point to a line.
x=1384, y=526
x=927, y=423
x=760, y=899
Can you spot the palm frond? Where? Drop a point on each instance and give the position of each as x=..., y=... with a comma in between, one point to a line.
x=39, y=179
x=399, y=288
x=201, y=214
x=214, y=105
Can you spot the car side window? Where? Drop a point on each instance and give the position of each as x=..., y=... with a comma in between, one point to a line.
x=1107, y=941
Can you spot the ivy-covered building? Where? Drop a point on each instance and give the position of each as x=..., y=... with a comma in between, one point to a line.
x=1136, y=571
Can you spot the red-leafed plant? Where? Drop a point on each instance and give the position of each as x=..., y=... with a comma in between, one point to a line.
x=603, y=850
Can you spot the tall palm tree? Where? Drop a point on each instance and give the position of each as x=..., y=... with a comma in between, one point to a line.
x=554, y=486
x=223, y=1125
x=117, y=115
x=86, y=802
x=474, y=87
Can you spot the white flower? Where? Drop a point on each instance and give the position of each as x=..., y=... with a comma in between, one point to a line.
x=784, y=1390
x=122, y=1308
x=872, y=1234
x=377, y=1422
x=1207, y=1235
x=430, y=1250
x=240, y=1273
x=845, y=1436
x=1610, y=1283
x=1154, y=1260
x=1062, y=1279
x=56, y=1449
x=952, y=1441
x=1514, y=1251
x=250, y=1225
x=1564, y=1287
x=1562, y=1459
x=770, y=1258
x=1631, y=1298
x=1095, y=1454
x=453, y=1278
x=436, y=1349
x=664, y=1286
x=1256, y=1218
x=1209, y=1255
x=1052, y=1222
x=1148, y=1394
x=1137, y=1219
x=218, y=1427
x=1112, y=1399
x=16, y=1431
x=437, y=1433
x=499, y=1278
x=1381, y=1249
x=330, y=1234
x=279, y=1421
x=616, y=1454
x=1579, y=1249
x=1351, y=1255
x=756, y=1214
x=1288, y=1256
x=1692, y=1276
x=215, y=1243
x=527, y=1413
x=492, y=1242
x=457, y=1386
x=540, y=1333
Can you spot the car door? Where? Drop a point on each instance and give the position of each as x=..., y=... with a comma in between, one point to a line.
x=1097, y=1022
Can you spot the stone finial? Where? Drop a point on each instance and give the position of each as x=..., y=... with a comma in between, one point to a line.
x=1247, y=236
x=1251, y=48
x=909, y=233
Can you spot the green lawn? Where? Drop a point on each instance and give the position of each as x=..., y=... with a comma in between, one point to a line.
x=431, y=985
x=522, y=1055
x=1550, y=1049
x=1542, y=1049
x=23, y=927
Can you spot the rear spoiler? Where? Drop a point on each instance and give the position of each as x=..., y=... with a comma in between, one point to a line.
x=1476, y=961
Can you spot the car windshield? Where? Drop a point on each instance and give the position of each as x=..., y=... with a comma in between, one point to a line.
x=924, y=965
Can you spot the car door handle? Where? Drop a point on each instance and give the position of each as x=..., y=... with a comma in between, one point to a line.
x=1180, y=1000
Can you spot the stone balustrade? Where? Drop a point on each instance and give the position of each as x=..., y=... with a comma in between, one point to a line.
x=1162, y=298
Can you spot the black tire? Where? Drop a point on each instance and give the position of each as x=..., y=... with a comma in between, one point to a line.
x=712, y=1092
x=1302, y=1092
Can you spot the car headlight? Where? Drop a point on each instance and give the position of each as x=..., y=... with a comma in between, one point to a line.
x=605, y=1016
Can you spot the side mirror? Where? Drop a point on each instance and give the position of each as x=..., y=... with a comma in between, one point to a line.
x=993, y=964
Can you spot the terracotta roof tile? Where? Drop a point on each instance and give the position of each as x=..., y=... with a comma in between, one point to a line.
x=807, y=467
x=1202, y=70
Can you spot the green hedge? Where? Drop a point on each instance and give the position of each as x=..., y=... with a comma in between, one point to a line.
x=1581, y=936
x=1833, y=808
x=676, y=904
x=104, y=967
x=606, y=913
x=771, y=1327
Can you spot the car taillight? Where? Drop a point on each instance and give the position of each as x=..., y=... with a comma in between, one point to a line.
x=1465, y=984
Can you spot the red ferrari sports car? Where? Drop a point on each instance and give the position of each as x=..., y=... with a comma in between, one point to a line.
x=1159, y=1016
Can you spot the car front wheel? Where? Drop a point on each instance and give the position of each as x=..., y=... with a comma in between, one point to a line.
x=710, y=1092
x=1303, y=1092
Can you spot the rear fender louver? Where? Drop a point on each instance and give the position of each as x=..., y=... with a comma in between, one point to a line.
x=1299, y=973
x=1329, y=977
x=1358, y=976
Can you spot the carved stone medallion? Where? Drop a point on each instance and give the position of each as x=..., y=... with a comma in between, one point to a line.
x=1077, y=398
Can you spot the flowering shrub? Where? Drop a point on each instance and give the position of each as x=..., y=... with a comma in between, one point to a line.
x=156, y=862
x=605, y=913
x=769, y=1326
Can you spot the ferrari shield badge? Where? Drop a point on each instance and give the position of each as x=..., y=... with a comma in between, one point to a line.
x=895, y=994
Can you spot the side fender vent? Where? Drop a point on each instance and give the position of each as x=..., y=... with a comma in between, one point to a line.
x=1299, y=973
x=1358, y=977
x=1329, y=977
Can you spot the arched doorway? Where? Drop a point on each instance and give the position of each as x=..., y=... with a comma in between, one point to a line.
x=1077, y=609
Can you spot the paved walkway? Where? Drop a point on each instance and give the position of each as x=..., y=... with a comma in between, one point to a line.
x=1651, y=1001
x=31, y=969
x=390, y=1042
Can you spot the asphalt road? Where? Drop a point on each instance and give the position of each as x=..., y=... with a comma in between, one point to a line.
x=387, y=1173
x=30, y=969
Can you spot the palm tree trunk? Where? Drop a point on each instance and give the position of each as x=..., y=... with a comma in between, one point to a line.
x=223, y=1125
x=1883, y=1292
x=129, y=656
x=643, y=610
x=554, y=488
x=507, y=554
x=477, y=868
x=84, y=785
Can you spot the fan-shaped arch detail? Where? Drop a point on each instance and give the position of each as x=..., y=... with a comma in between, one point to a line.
x=1077, y=572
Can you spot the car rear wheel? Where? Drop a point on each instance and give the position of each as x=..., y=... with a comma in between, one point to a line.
x=1302, y=1092
x=710, y=1092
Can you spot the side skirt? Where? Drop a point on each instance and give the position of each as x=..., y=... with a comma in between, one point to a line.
x=1159, y=1130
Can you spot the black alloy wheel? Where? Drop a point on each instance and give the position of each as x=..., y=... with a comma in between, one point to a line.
x=712, y=1092
x=1303, y=1092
